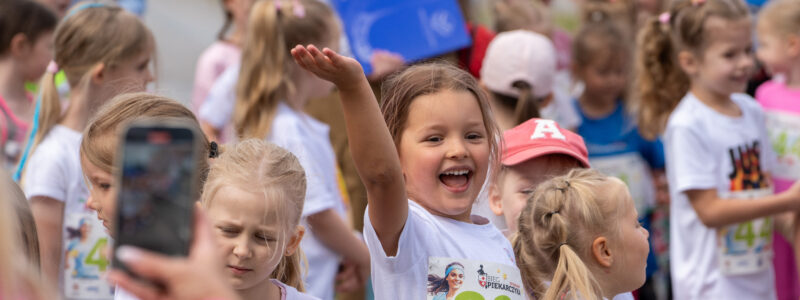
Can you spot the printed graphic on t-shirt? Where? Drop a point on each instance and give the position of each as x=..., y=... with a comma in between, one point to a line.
x=85, y=261
x=746, y=247
x=785, y=138
x=463, y=279
x=632, y=169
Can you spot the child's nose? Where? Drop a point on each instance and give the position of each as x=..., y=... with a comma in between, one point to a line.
x=242, y=248
x=456, y=149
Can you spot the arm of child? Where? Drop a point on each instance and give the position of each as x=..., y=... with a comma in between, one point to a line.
x=332, y=231
x=371, y=145
x=48, y=214
x=716, y=212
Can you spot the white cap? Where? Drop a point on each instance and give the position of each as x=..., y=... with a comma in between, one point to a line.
x=519, y=55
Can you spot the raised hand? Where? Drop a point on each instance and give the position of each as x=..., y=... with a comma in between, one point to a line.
x=343, y=71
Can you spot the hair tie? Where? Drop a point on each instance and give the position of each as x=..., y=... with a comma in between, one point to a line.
x=298, y=9
x=562, y=244
x=213, y=150
x=52, y=67
x=664, y=18
x=551, y=213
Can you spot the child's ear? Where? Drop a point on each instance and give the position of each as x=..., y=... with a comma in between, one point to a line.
x=98, y=73
x=688, y=62
x=495, y=201
x=793, y=43
x=601, y=252
x=294, y=242
x=19, y=45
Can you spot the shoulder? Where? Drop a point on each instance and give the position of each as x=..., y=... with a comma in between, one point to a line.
x=749, y=105
x=58, y=146
x=217, y=52
x=766, y=90
x=292, y=293
x=689, y=112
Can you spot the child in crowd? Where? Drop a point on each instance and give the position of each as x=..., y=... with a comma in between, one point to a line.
x=422, y=174
x=600, y=60
x=103, y=51
x=693, y=64
x=19, y=278
x=258, y=227
x=224, y=52
x=98, y=149
x=518, y=72
x=579, y=238
x=533, y=152
x=531, y=15
x=271, y=92
x=26, y=47
x=778, y=32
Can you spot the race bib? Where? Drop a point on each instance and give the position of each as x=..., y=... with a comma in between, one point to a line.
x=462, y=279
x=632, y=169
x=784, y=135
x=746, y=248
x=85, y=259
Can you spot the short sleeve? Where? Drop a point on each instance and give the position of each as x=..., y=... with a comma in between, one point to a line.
x=318, y=198
x=45, y=175
x=217, y=109
x=653, y=152
x=692, y=159
x=408, y=253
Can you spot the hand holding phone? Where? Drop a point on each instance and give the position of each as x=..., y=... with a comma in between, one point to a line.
x=158, y=174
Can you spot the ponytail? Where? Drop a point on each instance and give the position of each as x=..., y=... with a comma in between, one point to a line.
x=290, y=270
x=264, y=77
x=557, y=224
x=659, y=83
x=527, y=106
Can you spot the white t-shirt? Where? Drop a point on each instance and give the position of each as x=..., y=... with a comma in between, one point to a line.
x=217, y=109
x=707, y=150
x=308, y=139
x=54, y=171
x=404, y=276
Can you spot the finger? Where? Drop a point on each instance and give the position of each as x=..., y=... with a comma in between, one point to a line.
x=318, y=56
x=132, y=286
x=146, y=264
x=334, y=57
x=308, y=59
x=296, y=56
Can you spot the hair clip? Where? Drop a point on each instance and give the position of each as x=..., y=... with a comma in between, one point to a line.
x=664, y=18
x=83, y=6
x=298, y=9
x=52, y=67
x=698, y=2
x=213, y=150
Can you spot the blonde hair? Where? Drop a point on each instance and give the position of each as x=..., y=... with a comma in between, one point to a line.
x=556, y=227
x=265, y=74
x=521, y=14
x=278, y=174
x=100, y=138
x=19, y=278
x=660, y=83
x=91, y=34
x=27, y=225
x=783, y=16
x=400, y=90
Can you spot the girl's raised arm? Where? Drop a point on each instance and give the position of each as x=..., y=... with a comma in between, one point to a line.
x=371, y=145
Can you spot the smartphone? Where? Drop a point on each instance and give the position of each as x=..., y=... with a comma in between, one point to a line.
x=158, y=179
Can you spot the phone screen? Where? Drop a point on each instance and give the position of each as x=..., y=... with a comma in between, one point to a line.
x=157, y=191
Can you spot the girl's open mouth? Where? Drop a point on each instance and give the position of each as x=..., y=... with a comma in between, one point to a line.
x=456, y=180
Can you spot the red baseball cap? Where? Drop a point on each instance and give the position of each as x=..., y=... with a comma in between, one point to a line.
x=539, y=137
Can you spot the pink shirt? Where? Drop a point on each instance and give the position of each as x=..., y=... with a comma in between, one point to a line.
x=782, y=107
x=13, y=131
x=211, y=64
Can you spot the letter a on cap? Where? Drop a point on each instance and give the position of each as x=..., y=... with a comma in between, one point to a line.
x=543, y=127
